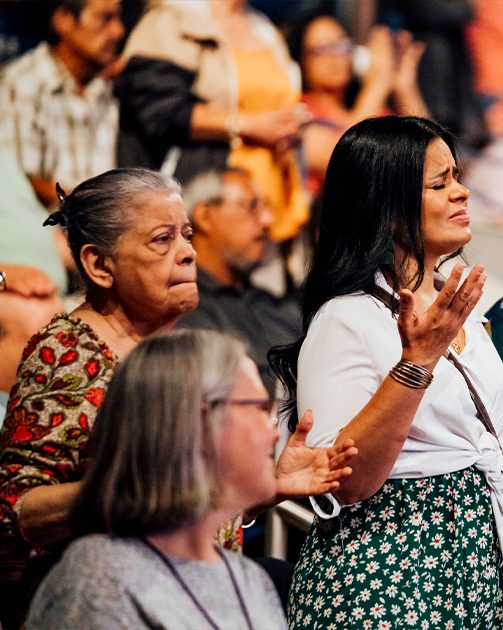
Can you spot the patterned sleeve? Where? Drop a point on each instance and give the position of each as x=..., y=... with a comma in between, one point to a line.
x=61, y=382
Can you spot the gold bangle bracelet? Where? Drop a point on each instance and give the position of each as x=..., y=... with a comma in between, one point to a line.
x=411, y=375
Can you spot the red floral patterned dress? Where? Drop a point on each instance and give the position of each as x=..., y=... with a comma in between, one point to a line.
x=61, y=382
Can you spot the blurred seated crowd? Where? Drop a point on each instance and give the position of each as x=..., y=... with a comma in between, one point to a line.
x=242, y=104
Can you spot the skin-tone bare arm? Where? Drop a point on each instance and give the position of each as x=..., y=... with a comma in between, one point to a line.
x=382, y=426
x=45, y=189
x=45, y=514
x=319, y=141
x=266, y=129
x=407, y=94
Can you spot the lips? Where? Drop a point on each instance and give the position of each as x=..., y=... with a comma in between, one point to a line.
x=183, y=281
x=461, y=216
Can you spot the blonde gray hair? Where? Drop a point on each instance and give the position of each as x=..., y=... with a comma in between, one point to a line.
x=155, y=441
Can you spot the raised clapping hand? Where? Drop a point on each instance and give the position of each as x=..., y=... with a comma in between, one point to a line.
x=302, y=470
x=426, y=337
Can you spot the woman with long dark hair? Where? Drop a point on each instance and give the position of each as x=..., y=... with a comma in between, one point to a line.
x=393, y=357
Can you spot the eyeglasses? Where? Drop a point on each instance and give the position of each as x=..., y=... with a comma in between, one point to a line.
x=252, y=205
x=265, y=405
x=340, y=47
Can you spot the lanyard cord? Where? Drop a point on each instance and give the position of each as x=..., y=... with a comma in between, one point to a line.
x=176, y=574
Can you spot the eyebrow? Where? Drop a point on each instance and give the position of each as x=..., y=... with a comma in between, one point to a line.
x=171, y=226
x=444, y=173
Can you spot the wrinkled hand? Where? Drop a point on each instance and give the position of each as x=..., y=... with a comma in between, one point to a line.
x=303, y=471
x=425, y=338
x=28, y=281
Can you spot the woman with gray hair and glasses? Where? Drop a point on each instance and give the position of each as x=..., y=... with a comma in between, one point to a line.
x=183, y=441
x=131, y=240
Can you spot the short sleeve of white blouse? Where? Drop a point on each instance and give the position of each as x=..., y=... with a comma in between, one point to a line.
x=351, y=345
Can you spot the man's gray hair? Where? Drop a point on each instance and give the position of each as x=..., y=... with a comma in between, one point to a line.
x=203, y=188
x=207, y=186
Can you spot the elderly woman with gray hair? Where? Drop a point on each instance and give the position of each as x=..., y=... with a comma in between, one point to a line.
x=183, y=441
x=131, y=240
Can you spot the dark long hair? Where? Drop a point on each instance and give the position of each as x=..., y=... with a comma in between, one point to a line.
x=371, y=204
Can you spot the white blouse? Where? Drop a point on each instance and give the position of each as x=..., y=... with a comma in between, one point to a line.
x=351, y=345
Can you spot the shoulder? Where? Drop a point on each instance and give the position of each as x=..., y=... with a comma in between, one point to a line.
x=31, y=71
x=92, y=580
x=66, y=340
x=351, y=309
x=185, y=23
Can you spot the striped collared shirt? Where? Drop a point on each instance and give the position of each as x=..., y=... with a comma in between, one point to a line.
x=55, y=131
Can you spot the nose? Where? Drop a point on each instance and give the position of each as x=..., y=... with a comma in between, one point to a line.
x=186, y=254
x=265, y=216
x=117, y=29
x=460, y=192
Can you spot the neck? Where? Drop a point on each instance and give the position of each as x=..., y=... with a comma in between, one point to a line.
x=192, y=542
x=111, y=323
x=210, y=260
x=329, y=98
x=81, y=70
x=426, y=293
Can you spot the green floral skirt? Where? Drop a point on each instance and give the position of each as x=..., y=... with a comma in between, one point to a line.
x=420, y=553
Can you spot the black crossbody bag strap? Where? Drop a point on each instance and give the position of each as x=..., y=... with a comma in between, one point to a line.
x=392, y=303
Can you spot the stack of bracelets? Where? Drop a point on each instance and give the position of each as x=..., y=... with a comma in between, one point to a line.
x=411, y=375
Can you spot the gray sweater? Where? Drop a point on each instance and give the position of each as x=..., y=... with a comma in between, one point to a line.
x=111, y=583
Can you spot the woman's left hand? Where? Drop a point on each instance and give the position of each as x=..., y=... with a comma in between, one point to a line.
x=303, y=470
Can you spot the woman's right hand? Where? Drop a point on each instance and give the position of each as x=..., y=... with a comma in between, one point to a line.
x=278, y=129
x=382, y=58
x=426, y=337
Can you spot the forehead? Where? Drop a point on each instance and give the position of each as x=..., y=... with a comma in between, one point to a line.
x=323, y=29
x=248, y=382
x=157, y=207
x=235, y=184
x=438, y=157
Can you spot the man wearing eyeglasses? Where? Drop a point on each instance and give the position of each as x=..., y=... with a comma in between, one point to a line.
x=231, y=221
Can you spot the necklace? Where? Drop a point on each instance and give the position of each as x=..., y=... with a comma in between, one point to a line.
x=186, y=588
x=455, y=346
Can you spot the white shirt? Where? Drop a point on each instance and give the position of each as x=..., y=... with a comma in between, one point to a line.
x=351, y=345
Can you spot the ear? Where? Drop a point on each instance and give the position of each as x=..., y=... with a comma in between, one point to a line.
x=62, y=22
x=97, y=266
x=202, y=217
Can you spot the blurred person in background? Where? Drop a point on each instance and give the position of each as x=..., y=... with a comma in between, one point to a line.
x=446, y=72
x=231, y=220
x=32, y=262
x=484, y=37
x=336, y=97
x=210, y=83
x=59, y=116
